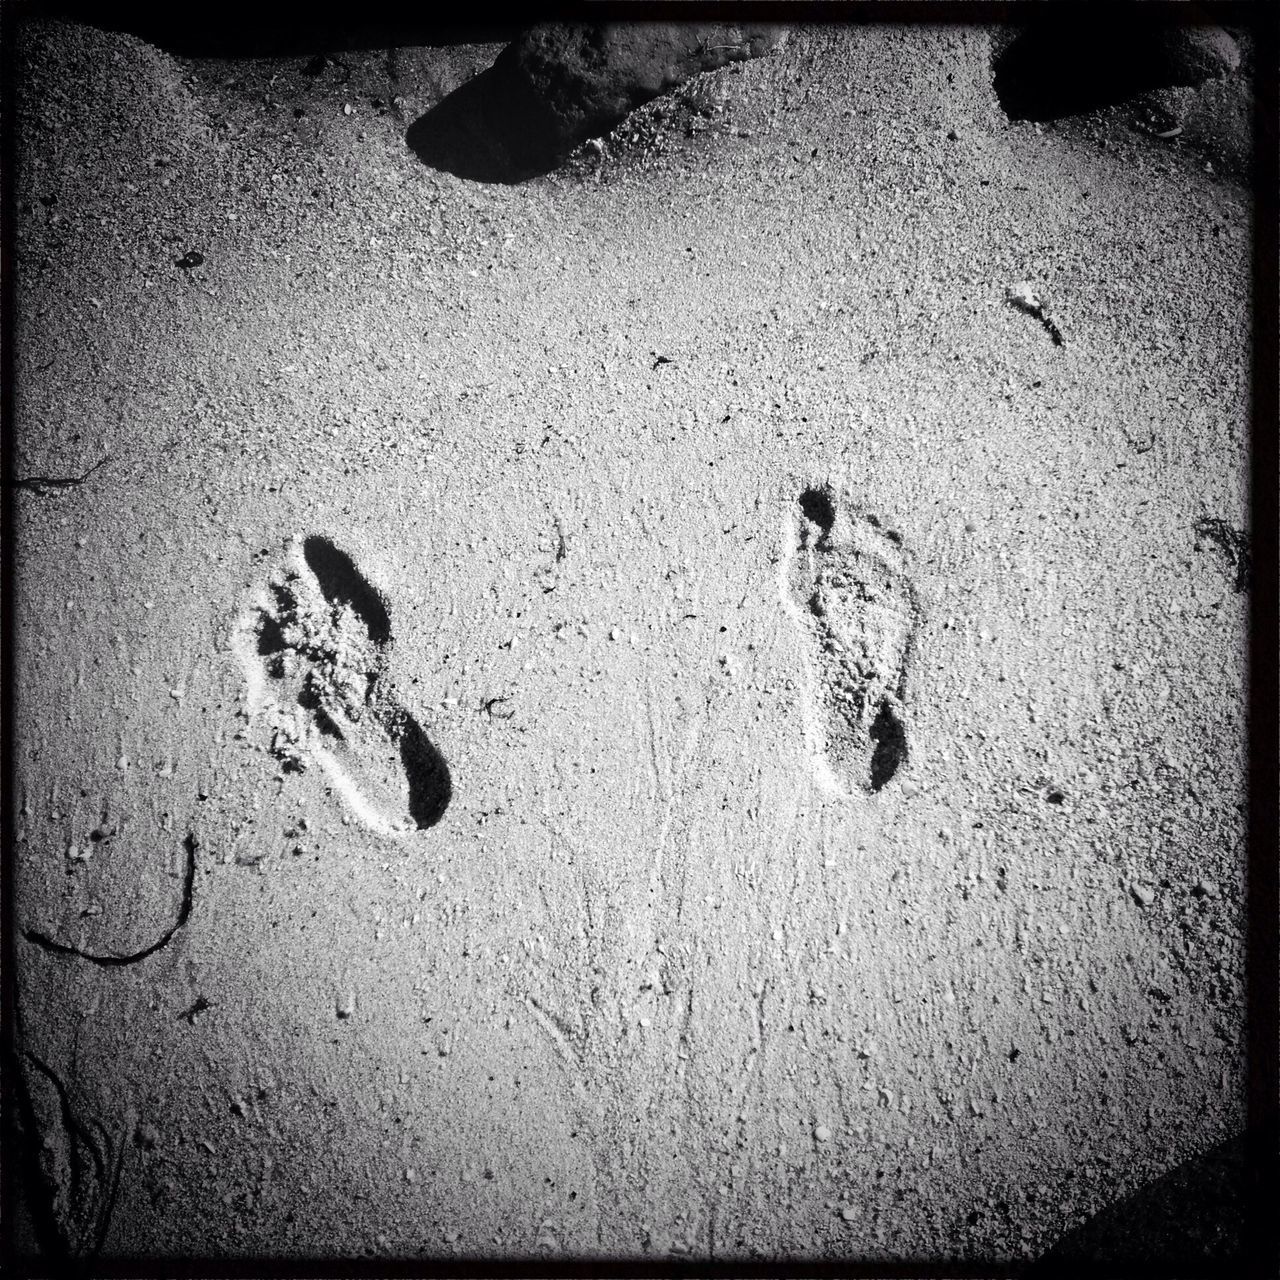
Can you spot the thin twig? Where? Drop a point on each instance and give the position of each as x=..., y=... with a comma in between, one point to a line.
x=42, y=484
x=108, y=959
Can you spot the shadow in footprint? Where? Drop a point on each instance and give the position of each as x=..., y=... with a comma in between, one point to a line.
x=491, y=129
x=818, y=507
x=342, y=583
x=889, y=751
x=430, y=786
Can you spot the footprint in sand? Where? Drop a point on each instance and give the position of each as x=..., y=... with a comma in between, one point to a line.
x=315, y=643
x=846, y=586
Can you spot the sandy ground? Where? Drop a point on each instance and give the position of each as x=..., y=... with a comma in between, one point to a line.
x=470, y=634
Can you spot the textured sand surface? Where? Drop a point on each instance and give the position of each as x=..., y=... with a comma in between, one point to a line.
x=489, y=593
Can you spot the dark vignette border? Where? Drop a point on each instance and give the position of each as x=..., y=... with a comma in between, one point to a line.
x=389, y=26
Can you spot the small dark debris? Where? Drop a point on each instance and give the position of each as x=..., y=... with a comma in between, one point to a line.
x=662, y=360
x=1014, y=1054
x=487, y=705
x=1056, y=797
x=192, y=258
x=1029, y=304
x=190, y=1015
x=1234, y=543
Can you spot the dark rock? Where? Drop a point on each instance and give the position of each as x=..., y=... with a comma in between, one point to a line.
x=1192, y=55
x=586, y=79
x=558, y=85
x=1063, y=65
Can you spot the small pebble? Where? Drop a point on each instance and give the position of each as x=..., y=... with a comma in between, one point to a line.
x=615, y=634
x=1143, y=895
x=346, y=1005
x=822, y=1133
x=910, y=789
x=848, y=1214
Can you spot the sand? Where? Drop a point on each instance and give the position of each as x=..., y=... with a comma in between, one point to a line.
x=433, y=652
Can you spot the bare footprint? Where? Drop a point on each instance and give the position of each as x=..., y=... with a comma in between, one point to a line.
x=315, y=644
x=846, y=586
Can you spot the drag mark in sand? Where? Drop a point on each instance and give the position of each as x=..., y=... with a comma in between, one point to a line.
x=841, y=579
x=562, y=1037
x=315, y=645
x=72, y=1165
